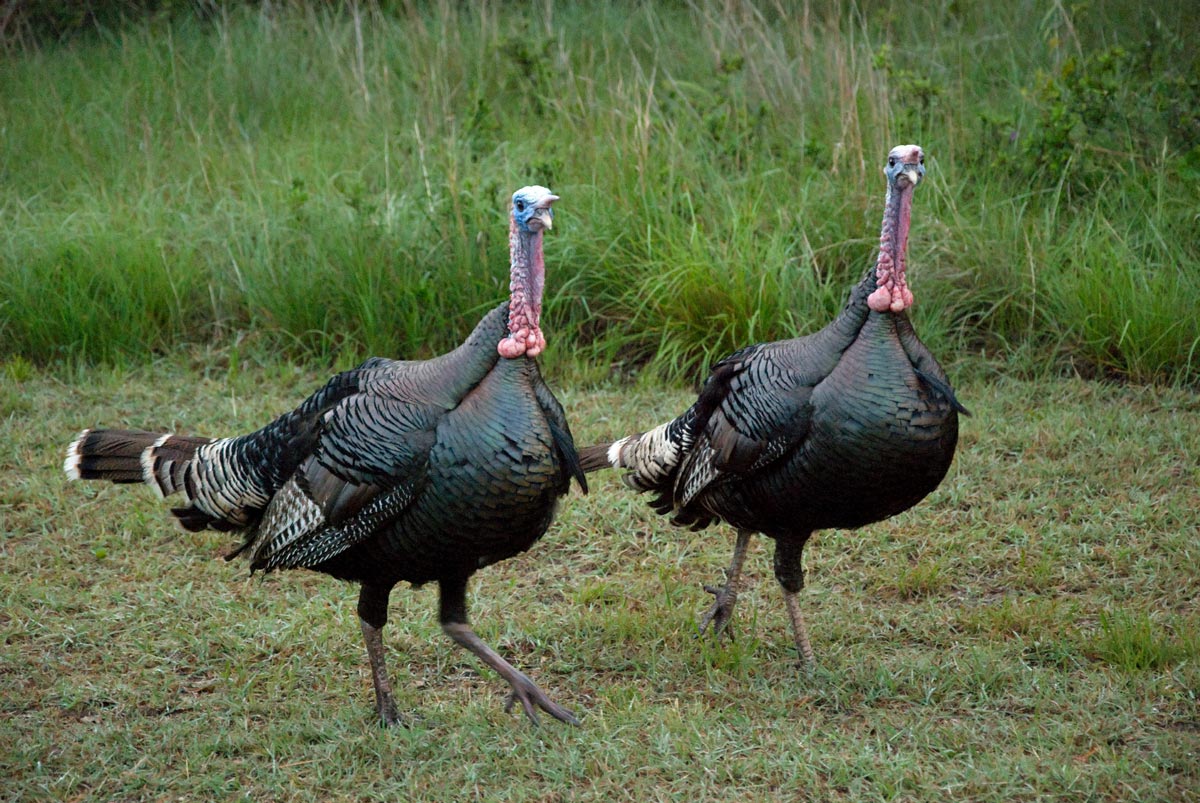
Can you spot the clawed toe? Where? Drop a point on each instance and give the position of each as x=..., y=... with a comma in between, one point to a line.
x=533, y=698
x=523, y=689
x=721, y=611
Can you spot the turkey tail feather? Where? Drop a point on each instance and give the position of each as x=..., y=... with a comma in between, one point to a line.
x=223, y=482
x=108, y=454
x=594, y=458
x=131, y=455
x=166, y=463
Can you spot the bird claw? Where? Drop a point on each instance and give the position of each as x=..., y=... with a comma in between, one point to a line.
x=721, y=612
x=533, y=698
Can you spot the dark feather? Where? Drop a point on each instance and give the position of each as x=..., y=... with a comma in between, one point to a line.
x=594, y=458
x=942, y=388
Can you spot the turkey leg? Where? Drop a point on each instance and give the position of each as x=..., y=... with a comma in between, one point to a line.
x=726, y=596
x=799, y=629
x=789, y=571
x=372, y=615
x=454, y=623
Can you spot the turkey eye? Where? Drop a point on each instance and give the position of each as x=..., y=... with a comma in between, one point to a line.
x=891, y=161
x=520, y=206
x=922, y=158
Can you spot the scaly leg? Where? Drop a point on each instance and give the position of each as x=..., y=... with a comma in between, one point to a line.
x=372, y=614
x=799, y=629
x=726, y=596
x=789, y=571
x=454, y=623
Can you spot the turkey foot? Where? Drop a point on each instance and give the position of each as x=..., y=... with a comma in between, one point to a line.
x=388, y=717
x=523, y=689
x=530, y=695
x=726, y=596
x=722, y=609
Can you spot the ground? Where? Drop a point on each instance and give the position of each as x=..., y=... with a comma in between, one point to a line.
x=1030, y=631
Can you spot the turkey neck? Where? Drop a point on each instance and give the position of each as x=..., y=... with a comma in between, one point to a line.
x=875, y=297
x=891, y=293
x=527, y=277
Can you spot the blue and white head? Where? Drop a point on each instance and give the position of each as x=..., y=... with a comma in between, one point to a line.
x=531, y=210
x=905, y=164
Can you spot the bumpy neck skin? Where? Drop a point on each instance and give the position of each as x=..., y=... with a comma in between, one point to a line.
x=891, y=287
x=527, y=278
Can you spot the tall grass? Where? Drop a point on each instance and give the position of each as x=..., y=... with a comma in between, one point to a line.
x=333, y=183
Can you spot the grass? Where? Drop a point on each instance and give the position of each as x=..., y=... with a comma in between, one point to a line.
x=1029, y=632
x=323, y=183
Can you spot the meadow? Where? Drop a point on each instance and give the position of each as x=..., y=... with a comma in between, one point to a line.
x=1029, y=632
x=203, y=215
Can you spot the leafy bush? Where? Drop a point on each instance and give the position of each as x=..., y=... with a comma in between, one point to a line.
x=1114, y=108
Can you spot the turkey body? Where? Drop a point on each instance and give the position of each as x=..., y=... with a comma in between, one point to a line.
x=419, y=471
x=489, y=488
x=838, y=429
x=824, y=443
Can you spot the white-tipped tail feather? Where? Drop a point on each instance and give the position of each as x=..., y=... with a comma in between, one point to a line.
x=219, y=490
x=614, y=452
x=148, y=473
x=107, y=454
x=71, y=463
x=651, y=457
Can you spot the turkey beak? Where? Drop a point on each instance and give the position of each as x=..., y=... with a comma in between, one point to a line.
x=914, y=173
x=543, y=214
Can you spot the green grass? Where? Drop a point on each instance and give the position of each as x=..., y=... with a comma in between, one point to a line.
x=1029, y=632
x=332, y=185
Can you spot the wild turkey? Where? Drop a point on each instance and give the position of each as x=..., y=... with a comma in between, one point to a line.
x=420, y=471
x=840, y=428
